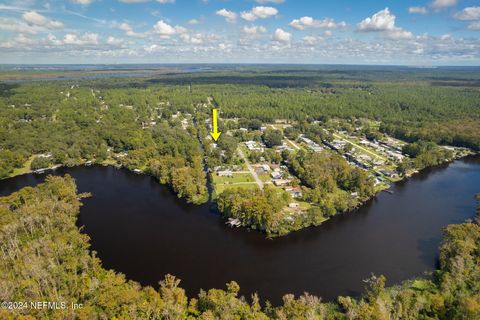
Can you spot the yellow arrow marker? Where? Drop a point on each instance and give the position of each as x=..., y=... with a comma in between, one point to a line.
x=215, y=134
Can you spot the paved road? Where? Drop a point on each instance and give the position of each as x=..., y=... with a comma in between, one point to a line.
x=358, y=146
x=291, y=142
x=254, y=174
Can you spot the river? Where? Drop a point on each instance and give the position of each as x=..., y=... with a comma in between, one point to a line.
x=141, y=229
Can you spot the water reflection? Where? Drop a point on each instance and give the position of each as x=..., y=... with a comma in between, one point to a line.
x=140, y=228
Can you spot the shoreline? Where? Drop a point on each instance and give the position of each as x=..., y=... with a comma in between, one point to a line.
x=225, y=218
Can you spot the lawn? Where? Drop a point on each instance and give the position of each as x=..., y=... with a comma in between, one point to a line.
x=236, y=178
x=265, y=177
x=24, y=169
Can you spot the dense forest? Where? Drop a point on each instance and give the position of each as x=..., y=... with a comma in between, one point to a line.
x=67, y=124
x=159, y=125
x=83, y=118
x=46, y=258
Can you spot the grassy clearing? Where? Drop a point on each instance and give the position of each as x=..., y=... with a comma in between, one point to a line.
x=265, y=177
x=304, y=205
x=23, y=170
x=236, y=178
x=109, y=162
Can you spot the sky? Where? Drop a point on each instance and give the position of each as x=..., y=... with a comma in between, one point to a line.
x=407, y=32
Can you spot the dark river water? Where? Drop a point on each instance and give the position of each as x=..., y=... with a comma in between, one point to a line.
x=141, y=229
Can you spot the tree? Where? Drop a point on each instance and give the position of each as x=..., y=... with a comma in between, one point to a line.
x=40, y=163
x=272, y=137
x=291, y=133
x=8, y=161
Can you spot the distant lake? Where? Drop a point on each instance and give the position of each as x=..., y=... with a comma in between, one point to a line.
x=68, y=73
x=140, y=228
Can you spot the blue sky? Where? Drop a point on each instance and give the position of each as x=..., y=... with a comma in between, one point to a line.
x=411, y=32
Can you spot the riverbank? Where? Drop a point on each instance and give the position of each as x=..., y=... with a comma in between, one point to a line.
x=312, y=273
x=246, y=208
x=304, y=220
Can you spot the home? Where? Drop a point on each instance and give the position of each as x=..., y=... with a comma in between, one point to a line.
x=364, y=157
x=225, y=173
x=276, y=174
x=265, y=167
x=280, y=182
x=184, y=124
x=283, y=147
x=338, y=144
x=121, y=154
x=389, y=173
x=252, y=146
x=294, y=192
x=45, y=155
x=315, y=148
x=306, y=140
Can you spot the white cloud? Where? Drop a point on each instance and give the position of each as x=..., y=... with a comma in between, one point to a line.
x=192, y=39
x=282, y=35
x=193, y=47
x=165, y=1
x=474, y=25
x=380, y=21
x=82, y=2
x=19, y=41
x=199, y=39
x=114, y=41
x=249, y=33
x=442, y=4
x=418, y=10
x=230, y=16
x=445, y=37
x=383, y=21
x=165, y=30
x=253, y=30
x=74, y=39
x=470, y=13
x=312, y=40
x=19, y=26
x=308, y=22
x=53, y=40
x=86, y=38
x=37, y=19
x=399, y=33
x=129, y=31
x=259, y=12
x=270, y=1
x=194, y=21
x=22, y=39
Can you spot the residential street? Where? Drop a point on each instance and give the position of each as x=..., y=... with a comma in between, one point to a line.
x=254, y=174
